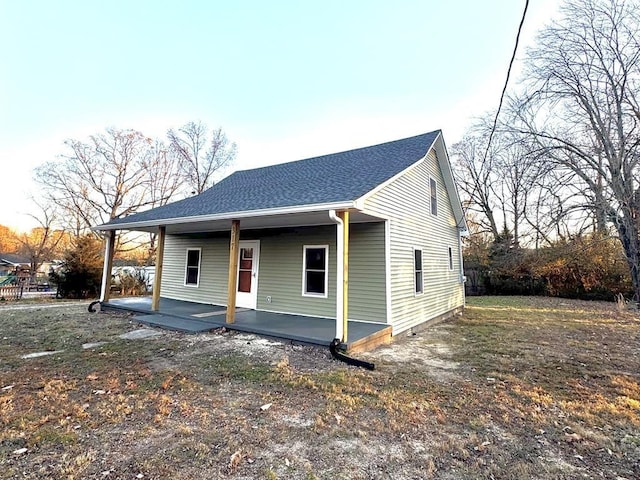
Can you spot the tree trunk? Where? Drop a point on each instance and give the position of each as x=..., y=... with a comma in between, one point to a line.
x=628, y=234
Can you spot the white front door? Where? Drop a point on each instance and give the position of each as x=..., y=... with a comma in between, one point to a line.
x=248, y=261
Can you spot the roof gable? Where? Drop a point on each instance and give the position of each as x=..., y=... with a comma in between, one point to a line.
x=13, y=259
x=333, y=178
x=444, y=165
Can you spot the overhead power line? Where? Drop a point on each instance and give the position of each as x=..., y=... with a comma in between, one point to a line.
x=506, y=82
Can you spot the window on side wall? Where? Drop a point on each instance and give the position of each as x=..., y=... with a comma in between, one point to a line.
x=433, y=189
x=192, y=270
x=418, y=272
x=450, y=258
x=315, y=261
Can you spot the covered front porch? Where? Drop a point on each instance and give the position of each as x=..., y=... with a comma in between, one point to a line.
x=262, y=261
x=197, y=317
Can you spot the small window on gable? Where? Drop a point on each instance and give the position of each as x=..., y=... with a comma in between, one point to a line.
x=450, y=258
x=433, y=189
x=417, y=272
x=315, y=270
x=192, y=271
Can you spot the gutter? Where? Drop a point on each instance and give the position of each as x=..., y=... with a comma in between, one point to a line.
x=319, y=207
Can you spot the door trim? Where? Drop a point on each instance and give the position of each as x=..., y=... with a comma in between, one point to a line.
x=249, y=299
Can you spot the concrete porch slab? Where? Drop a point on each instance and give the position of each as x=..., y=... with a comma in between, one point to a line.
x=193, y=317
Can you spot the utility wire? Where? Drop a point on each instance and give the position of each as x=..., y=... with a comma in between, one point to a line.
x=504, y=88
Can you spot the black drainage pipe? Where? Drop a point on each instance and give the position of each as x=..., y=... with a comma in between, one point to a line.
x=333, y=347
x=93, y=304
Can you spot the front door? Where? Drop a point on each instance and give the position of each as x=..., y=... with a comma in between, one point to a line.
x=248, y=255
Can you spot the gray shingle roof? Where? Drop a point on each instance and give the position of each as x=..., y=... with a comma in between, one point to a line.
x=14, y=259
x=337, y=177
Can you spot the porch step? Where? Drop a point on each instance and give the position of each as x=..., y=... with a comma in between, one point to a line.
x=381, y=337
x=179, y=324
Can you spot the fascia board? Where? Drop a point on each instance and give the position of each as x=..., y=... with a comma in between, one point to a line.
x=226, y=216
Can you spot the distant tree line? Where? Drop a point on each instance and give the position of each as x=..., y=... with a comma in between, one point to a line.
x=553, y=202
x=110, y=175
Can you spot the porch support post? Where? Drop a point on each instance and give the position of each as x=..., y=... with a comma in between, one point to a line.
x=233, y=271
x=109, y=248
x=344, y=216
x=157, y=279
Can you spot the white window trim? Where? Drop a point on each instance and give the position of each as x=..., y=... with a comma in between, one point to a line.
x=413, y=270
x=186, y=266
x=450, y=258
x=326, y=271
x=435, y=184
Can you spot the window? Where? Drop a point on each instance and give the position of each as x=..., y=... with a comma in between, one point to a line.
x=450, y=258
x=434, y=196
x=417, y=271
x=314, y=276
x=245, y=270
x=192, y=274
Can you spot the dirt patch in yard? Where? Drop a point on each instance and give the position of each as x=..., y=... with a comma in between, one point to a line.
x=428, y=351
x=514, y=388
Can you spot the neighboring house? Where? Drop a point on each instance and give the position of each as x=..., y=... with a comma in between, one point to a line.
x=12, y=264
x=9, y=262
x=372, y=232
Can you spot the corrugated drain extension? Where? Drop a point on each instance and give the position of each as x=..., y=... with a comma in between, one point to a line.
x=93, y=304
x=333, y=347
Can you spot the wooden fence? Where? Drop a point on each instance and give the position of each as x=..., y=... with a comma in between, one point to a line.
x=11, y=292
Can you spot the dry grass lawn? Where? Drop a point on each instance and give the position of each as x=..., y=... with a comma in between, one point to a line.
x=514, y=388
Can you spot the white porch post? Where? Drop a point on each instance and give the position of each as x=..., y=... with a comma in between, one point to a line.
x=109, y=247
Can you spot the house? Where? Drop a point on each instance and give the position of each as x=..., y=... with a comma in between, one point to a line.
x=15, y=266
x=370, y=235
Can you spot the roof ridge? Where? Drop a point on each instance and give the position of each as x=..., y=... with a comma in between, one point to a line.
x=341, y=152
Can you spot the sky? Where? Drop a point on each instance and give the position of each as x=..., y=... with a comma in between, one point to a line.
x=285, y=80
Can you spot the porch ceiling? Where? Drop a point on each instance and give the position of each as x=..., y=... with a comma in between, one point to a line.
x=194, y=225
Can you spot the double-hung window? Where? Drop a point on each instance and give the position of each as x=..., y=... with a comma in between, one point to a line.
x=192, y=270
x=315, y=261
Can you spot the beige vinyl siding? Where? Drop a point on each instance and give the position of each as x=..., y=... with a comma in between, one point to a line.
x=214, y=265
x=280, y=270
x=406, y=203
x=367, y=286
x=280, y=275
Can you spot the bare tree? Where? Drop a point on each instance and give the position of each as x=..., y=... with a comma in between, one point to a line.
x=41, y=243
x=581, y=110
x=551, y=207
x=477, y=179
x=99, y=180
x=201, y=153
x=500, y=180
x=164, y=184
x=163, y=181
x=520, y=174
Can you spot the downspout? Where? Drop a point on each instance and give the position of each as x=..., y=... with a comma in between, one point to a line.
x=340, y=320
